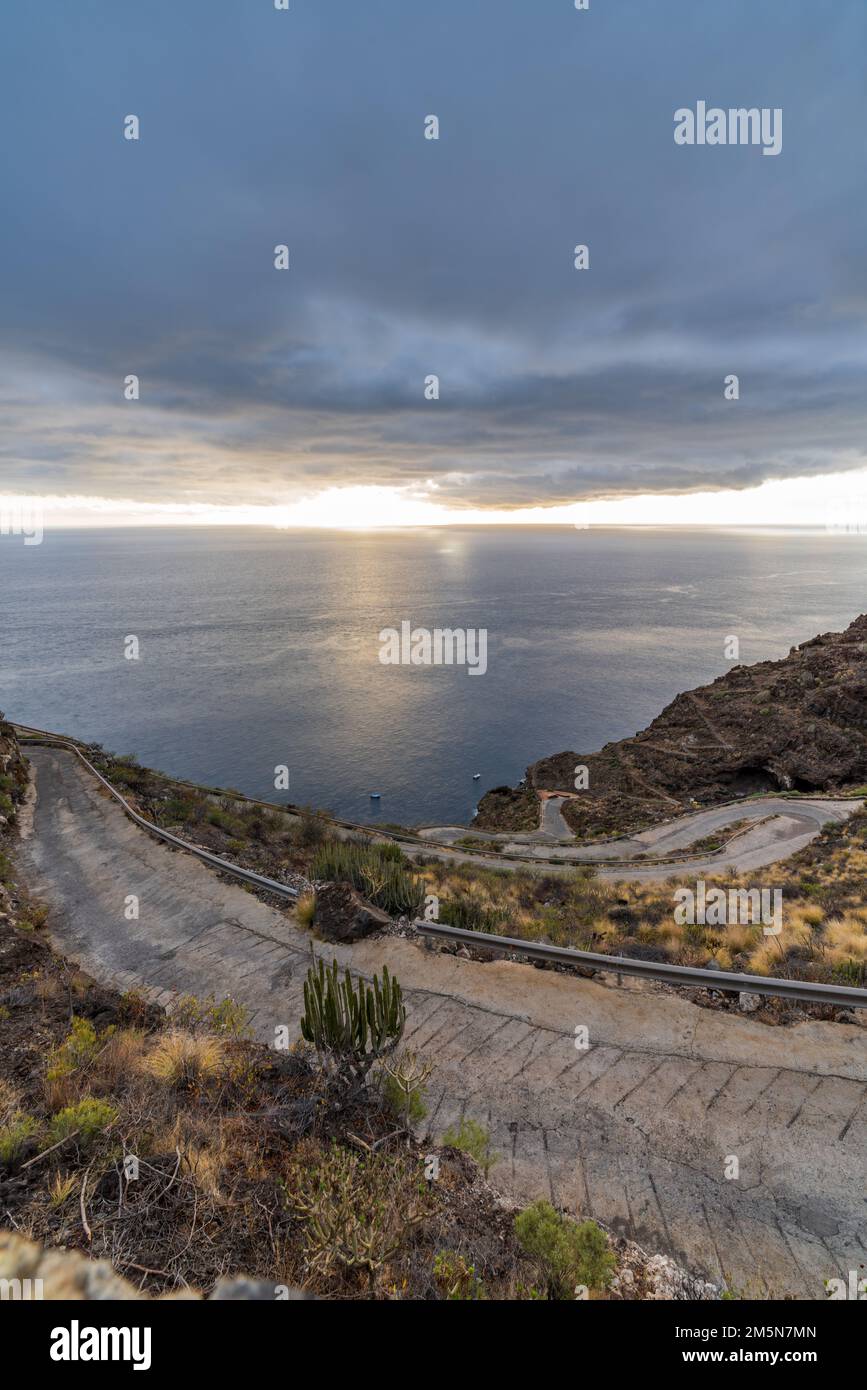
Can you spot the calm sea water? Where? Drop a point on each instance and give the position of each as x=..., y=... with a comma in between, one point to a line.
x=261, y=647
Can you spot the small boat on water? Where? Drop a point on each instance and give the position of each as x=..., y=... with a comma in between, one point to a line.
x=375, y=796
x=476, y=776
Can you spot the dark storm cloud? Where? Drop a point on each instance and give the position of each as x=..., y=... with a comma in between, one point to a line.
x=412, y=257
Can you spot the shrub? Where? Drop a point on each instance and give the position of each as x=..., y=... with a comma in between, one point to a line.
x=474, y=1139
x=87, y=1118
x=232, y=825
x=35, y=916
x=470, y=914
x=177, y=810
x=568, y=1254
x=402, y=1086
x=133, y=1007
x=74, y=1054
x=15, y=1136
x=380, y=872
x=312, y=830
x=390, y=852
x=359, y=1210
x=127, y=773
x=260, y=827
x=224, y=1017
x=456, y=1279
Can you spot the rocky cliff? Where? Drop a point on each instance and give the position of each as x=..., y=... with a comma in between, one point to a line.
x=799, y=724
x=13, y=775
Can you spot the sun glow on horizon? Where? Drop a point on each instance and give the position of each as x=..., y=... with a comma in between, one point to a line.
x=837, y=501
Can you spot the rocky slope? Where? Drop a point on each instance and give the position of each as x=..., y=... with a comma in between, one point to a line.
x=13, y=775
x=799, y=724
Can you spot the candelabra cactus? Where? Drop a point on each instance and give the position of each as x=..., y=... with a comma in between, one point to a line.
x=352, y=1023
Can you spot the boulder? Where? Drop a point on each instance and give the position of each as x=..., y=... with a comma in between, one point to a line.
x=342, y=914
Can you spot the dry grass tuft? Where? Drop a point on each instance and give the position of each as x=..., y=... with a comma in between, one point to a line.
x=186, y=1061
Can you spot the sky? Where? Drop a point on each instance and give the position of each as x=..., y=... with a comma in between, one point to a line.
x=298, y=396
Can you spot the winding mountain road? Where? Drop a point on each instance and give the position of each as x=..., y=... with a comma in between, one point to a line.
x=778, y=827
x=636, y=1130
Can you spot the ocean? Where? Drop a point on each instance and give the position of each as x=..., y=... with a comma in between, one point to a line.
x=260, y=648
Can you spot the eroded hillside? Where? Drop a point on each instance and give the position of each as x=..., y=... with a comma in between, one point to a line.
x=799, y=724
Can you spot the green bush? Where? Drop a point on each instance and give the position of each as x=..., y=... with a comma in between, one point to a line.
x=568, y=1254
x=15, y=1135
x=379, y=872
x=475, y=1140
x=311, y=830
x=88, y=1116
x=233, y=825
x=179, y=810
x=75, y=1052
x=127, y=773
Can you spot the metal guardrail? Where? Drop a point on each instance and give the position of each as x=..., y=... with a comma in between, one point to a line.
x=223, y=865
x=841, y=996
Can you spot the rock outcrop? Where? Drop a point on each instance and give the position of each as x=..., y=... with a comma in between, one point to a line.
x=13, y=774
x=342, y=914
x=655, y=1278
x=799, y=724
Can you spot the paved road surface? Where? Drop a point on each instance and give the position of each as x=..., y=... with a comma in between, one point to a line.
x=635, y=1131
x=780, y=829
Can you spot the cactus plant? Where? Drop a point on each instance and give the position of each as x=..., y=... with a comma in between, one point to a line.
x=353, y=1024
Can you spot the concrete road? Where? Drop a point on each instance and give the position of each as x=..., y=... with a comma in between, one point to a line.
x=780, y=828
x=635, y=1130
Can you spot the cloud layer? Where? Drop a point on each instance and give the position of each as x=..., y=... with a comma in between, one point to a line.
x=411, y=257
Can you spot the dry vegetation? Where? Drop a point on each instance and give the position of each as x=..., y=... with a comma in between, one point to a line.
x=181, y=1151
x=824, y=934
x=259, y=837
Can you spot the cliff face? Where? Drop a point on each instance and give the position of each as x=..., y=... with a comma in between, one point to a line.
x=13, y=775
x=798, y=724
